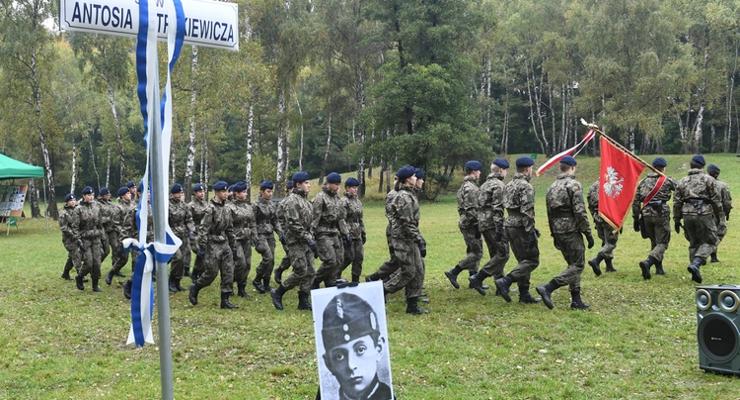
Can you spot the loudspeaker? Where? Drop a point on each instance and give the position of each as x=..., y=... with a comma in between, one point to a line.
x=718, y=331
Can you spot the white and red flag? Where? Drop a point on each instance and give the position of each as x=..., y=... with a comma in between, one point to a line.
x=573, y=151
x=618, y=179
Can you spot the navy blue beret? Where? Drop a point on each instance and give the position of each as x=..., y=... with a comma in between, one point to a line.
x=240, y=186
x=351, y=182
x=473, y=165
x=568, y=160
x=266, y=184
x=713, y=169
x=289, y=184
x=698, y=160
x=103, y=191
x=660, y=162
x=69, y=196
x=87, y=190
x=405, y=172
x=176, y=188
x=220, y=185
x=130, y=184
x=524, y=162
x=501, y=163
x=420, y=174
x=198, y=187
x=300, y=177
x=334, y=177
x=122, y=191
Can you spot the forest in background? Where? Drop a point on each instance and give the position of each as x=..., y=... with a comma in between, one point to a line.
x=368, y=85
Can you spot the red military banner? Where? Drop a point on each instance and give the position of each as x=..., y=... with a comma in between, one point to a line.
x=618, y=180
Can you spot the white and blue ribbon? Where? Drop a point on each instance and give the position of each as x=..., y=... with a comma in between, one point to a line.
x=142, y=292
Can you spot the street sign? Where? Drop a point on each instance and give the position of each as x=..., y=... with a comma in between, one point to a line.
x=207, y=23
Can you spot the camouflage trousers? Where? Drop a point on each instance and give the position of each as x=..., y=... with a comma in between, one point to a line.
x=608, y=238
x=473, y=249
x=721, y=231
x=353, y=254
x=301, y=258
x=410, y=273
x=242, y=253
x=571, y=245
x=390, y=266
x=526, y=250
x=218, y=258
x=498, y=248
x=104, y=247
x=701, y=232
x=73, y=256
x=199, y=264
x=658, y=230
x=91, y=253
x=266, y=248
x=120, y=261
x=180, y=260
x=111, y=245
x=331, y=253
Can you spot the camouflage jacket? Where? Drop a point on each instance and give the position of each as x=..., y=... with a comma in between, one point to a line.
x=491, y=203
x=724, y=190
x=198, y=209
x=697, y=194
x=467, y=203
x=216, y=225
x=658, y=206
x=328, y=214
x=519, y=202
x=149, y=225
x=265, y=213
x=125, y=214
x=66, y=218
x=242, y=216
x=593, y=202
x=566, y=211
x=405, y=216
x=297, y=216
x=180, y=219
x=107, y=216
x=86, y=223
x=353, y=212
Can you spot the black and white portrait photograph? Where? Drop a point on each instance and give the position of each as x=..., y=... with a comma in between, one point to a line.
x=352, y=350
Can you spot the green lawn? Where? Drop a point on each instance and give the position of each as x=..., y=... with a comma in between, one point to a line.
x=637, y=341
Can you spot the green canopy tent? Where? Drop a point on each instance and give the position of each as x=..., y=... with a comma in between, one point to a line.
x=13, y=196
x=14, y=169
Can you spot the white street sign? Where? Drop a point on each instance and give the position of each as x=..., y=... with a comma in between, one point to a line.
x=207, y=23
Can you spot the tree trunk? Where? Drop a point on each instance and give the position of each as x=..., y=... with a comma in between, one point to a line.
x=697, y=137
x=173, y=165
x=325, y=160
x=74, y=168
x=381, y=176
x=730, y=100
x=92, y=157
x=250, y=138
x=107, y=169
x=117, y=127
x=51, y=209
x=532, y=111
x=190, y=158
x=281, y=144
x=300, y=145
x=33, y=198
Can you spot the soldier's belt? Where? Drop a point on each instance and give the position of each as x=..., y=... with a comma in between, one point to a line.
x=561, y=214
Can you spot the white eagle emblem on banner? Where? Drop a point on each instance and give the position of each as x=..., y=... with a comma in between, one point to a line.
x=614, y=183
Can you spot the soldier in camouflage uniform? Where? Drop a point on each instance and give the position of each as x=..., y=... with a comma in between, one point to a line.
x=87, y=228
x=605, y=232
x=68, y=239
x=198, y=206
x=181, y=223
x=280, y=212
x=726, y=197
x=653, y=219
x=265, y=214
x=698, y=203
x=106, y=221
x=568, y=220
x=216, y=239
x=245, y=234
x=467, y=208
x=491, y=224
x=407, y=242
x=389, y=266
x=520, y=232
x=296, y=223
x=353, y=253
x=121, y=217
x=330, y=230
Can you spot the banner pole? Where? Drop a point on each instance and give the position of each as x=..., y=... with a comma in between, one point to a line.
x=624, y=149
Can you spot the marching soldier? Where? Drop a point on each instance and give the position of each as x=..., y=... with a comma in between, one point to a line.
x=215, y=241
x=68, y=238
x=285, y=262
x=698, y=203
x=133, y=190
x=245, y=231
x=389, y=266
x=467, y=208
x=123, y=215
x=353, y=253
x=605, y=232
x=106, y=221
x=181, y=223
x=297, y=222
x=491, y=224
x=653, y=219
x=133, y=226
x=198, y=206
x=266, y=217
x=87, y=229
x=568, y=220
x=724, y=191
x=329, y=228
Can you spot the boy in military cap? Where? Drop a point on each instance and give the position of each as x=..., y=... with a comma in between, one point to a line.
x=353, y=251
x=353, y=348
x=467, y=208
x=181, y=223
x=724, y=192
x=121, y=217
x=280, y=211
x=265, y=213
x=245, y=231
x=86, y=227
x=68, y=238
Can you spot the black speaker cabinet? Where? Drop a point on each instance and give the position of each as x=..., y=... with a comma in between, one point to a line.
x=718, y=331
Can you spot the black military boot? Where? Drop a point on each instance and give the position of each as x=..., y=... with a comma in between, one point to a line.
x=178, y=286
x=576, y=302
x=193, y=294
x=659, y=268
x=278, y=276
x=355, y=278
x=109, y=278
x=127, y=289
x=316, y=284
x=172, y=287
x=594, y=263
x=452, y=276
x=65, y=276
x=95, y=286
x=476, y=282
x=258, y=286
x=65, y=272
x=694, y=269
x=372, y=277
x=525, y=297
x=503, y=285
x=241, y=290
x=303, y=301
x=609, y=265
x=645, y=267
x=412, y=306
x=277, y=296
x=225, y=303
x=78, y=281
x=714, y=258
x=186, y=271
x=266, y=285
x=545, y=291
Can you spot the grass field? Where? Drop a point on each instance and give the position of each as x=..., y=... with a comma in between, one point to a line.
x=638, y=341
